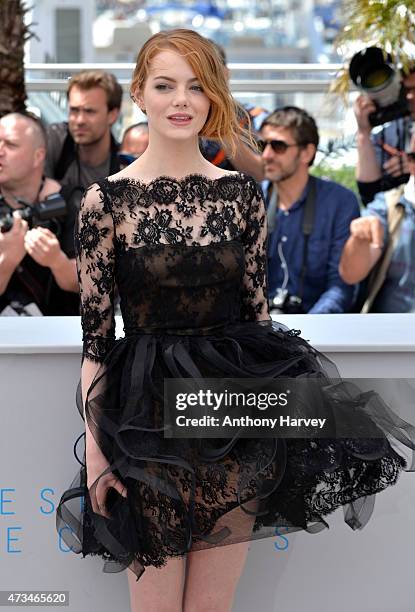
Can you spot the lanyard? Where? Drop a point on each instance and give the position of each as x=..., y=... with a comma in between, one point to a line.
x=306, y=226
x=272, y=211
x=19, y=200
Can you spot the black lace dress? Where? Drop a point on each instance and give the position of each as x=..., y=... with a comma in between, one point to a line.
x=188, y=259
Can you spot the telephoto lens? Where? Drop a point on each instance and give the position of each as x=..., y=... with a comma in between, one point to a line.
x=373, y=72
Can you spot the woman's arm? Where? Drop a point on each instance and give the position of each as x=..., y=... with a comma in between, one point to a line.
x=255, y=288
x=95, y=264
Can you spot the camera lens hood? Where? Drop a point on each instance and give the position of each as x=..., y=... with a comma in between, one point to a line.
x=367, y=61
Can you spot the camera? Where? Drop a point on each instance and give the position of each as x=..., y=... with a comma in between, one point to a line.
x=375, y=75
x=284, y=303
x=40, y=214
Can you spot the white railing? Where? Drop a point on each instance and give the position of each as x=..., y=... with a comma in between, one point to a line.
x=276, y=77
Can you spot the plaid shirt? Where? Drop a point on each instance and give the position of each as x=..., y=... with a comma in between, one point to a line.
x=398, y=291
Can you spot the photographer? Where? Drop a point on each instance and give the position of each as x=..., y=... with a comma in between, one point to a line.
x=37, y=265
x=382, y=245
x=135, y=140
x=308, y=219
x=381, y=141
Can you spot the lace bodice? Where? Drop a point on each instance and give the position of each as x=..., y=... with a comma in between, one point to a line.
x=188, y=259
x=185, y=254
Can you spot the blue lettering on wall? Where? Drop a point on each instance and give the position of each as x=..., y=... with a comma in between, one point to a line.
x=285, y=543
x=10, y=540
x=50, y=507
x=63, y=548
x=4, y=501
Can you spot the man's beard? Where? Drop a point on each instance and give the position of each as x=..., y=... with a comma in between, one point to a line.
x=90, y=143
x=284, y=175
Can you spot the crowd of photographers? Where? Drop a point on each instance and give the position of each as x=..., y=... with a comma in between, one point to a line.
x=327, y=253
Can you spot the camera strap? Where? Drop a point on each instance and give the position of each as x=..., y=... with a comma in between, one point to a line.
x=307, y=227
x=307, y=223
x=395, y=216
x=42, y=184
x=272, y=209
x=19, y=200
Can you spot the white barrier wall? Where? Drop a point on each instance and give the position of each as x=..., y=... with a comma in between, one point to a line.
x=337, y=570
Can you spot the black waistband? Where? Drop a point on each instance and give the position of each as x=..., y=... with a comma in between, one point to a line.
x=180, y=331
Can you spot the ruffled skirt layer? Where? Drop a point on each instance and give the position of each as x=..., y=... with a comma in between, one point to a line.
x=190, y=494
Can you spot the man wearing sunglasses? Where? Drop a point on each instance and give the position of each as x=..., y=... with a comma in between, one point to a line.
x=381, y=248
x=308, y=219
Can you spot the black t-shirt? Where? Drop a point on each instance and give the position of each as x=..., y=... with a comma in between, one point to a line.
x=32, y=282
x=63, y=164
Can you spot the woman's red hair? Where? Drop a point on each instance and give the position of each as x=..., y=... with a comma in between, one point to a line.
x=224, y=119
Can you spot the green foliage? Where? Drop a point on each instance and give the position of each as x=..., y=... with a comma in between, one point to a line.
x=387, y=24
x=345, y=175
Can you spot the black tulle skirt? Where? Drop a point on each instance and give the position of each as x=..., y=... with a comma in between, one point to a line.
x=191, y=494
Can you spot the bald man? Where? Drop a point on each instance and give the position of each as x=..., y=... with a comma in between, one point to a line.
x=135, y=140
x=37, y=265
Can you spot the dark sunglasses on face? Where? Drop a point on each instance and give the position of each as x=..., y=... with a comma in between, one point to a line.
x=411, y=156
x=278, y=146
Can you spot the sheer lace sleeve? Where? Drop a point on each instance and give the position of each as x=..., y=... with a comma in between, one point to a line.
x=255, y=294
x=95, y=265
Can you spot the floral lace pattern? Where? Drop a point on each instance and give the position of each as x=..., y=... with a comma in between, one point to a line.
x=188, y=260
x=133, y=230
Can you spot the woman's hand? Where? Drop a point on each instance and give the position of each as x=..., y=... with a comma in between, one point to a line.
x=97, y=464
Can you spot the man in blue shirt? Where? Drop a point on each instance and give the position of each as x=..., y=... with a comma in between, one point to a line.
x=289, y=143
x=368, y=240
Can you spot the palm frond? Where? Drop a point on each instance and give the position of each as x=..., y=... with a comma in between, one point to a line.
x=388, y=24
x=13, y=34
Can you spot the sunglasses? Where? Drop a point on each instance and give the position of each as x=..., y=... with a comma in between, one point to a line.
x=411, y=156
x=278, y=146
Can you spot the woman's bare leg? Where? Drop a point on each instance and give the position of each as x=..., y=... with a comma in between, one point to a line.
x=213, y=574
x=158, y=590
x=212, y=577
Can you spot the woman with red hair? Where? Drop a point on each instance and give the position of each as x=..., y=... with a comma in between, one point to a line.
x=184, y=242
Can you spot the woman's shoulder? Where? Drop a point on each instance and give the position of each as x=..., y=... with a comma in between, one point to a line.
x=123, y=188
x=144, y=178
x=96, y=199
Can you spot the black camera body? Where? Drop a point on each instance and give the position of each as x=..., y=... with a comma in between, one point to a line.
x=39, y=214
x=375, y=75
x=285, y=303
